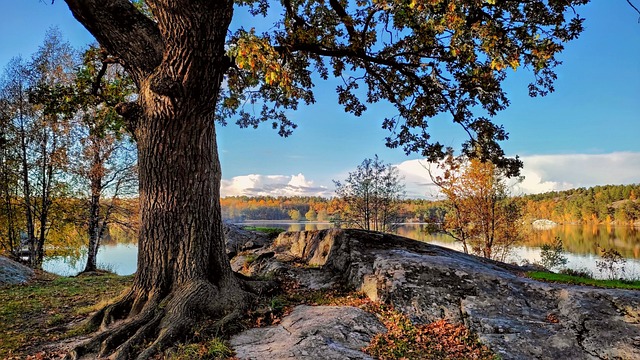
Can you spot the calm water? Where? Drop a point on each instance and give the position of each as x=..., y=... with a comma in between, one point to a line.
x=581, y=243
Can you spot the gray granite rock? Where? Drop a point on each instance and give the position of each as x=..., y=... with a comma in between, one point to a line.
x=517, y=317
x=311, y=332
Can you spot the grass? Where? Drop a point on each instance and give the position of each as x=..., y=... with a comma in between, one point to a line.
x=271, y=231
x=580, y=280
x=39, y=312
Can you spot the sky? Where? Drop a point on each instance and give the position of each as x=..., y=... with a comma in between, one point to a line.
x=584, y=134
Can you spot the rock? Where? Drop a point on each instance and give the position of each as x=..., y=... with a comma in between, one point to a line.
x=543, y=224
x=12, y=272
x=239, y=239
x=516, y=317
x=311, y=332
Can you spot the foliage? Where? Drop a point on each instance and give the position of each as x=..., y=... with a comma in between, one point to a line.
x=610, y=204
x=61, y=140
x=552, y=255
x=371, y=196
x=104, y=166
x=311, y=215
x=612, y=263
x=37, y=135
x=215, y=348
x=480, y=213
x=437, y=340
x=581, y=280
x=403, y=339
x=423, y=57
x=55, y=301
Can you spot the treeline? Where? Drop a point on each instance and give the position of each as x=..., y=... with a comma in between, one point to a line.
x=312, y=208
x=611, y=204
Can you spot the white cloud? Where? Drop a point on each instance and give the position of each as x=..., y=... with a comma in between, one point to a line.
x=272, y=185
x=542, y=173
x=561, y=172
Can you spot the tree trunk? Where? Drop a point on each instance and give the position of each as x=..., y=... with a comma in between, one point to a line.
x=31, y=238
x=181, y=238
x=94, y=214
x=184, y=274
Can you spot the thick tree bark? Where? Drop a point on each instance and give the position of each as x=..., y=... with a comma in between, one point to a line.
x=182, y=261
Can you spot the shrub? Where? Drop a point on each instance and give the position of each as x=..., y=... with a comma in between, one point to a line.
x=611, y=263
x=552, y=255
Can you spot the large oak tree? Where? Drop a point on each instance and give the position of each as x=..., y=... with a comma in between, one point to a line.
x=426, y=57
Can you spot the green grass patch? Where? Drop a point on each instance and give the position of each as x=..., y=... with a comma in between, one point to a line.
x=39, y=312
x=271, y=231
x=579, y=280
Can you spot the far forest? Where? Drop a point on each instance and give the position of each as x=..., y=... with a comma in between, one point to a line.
x=610, y=204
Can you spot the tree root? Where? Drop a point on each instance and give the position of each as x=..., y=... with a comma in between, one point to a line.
x=152, y=324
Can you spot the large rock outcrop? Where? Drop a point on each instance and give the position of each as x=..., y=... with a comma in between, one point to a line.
x=517, y=317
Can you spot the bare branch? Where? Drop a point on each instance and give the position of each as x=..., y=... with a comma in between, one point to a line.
x=634, y=7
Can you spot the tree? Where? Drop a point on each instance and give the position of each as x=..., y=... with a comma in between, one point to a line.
x=480, y=213
x=17, y=112
x=9, y=179
x=311, y=215
x=295, y=215
x=50, y=71
x=553, y=255
x=371, y=195
x=105, y=161
x=424, y=58
x=37, y=136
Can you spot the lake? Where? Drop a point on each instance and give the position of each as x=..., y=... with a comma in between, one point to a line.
x=580, y=242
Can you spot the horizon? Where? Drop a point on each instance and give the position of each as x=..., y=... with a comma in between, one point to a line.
x=582, y=135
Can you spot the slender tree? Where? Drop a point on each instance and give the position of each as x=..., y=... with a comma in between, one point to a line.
x=9, y=178
x=371, y=196
x=424, y=57
x=18, y=111
x=51, y=70
x=106, y=163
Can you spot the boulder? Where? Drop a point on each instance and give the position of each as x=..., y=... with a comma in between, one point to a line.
x=311, y=332
x=517, y=317
x=543, y=224
x=12, y=272
x=239, y=239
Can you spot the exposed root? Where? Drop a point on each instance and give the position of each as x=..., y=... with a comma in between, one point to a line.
x=155, y=323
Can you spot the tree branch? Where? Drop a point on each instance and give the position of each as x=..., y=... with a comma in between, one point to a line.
x=634, y=7
x=124, y=31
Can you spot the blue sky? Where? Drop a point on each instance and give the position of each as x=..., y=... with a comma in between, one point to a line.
x=584, y=134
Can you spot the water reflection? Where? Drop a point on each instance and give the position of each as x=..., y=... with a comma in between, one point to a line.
x=120, y=258
x=580, y=242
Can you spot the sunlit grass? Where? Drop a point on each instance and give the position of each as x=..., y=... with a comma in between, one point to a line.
x=271, y=231
x=579, y=280
x=39, y=312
